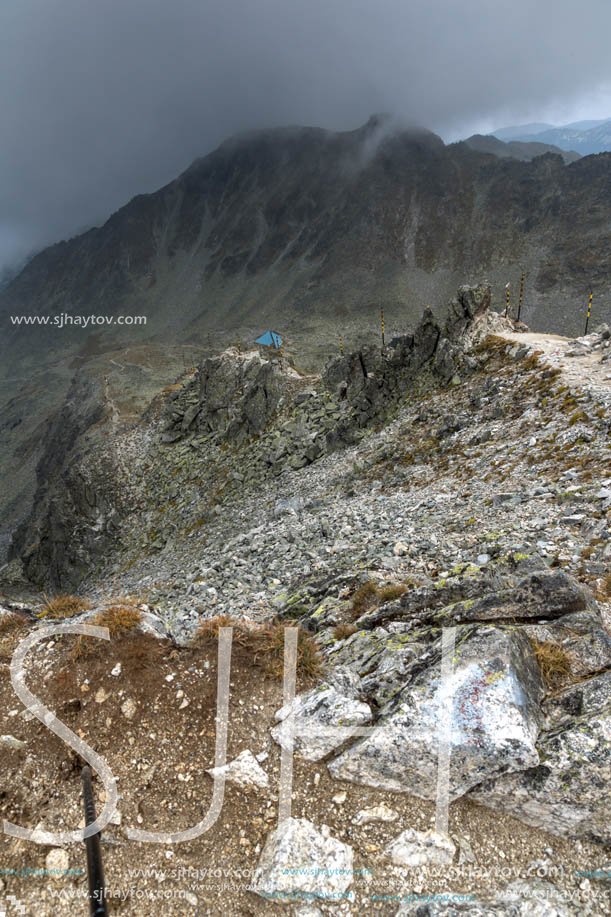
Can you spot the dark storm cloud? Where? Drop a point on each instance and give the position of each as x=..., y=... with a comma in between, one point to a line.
x=103, y=99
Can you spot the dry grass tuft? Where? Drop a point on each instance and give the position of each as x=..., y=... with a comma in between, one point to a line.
x=370, y=596
x=120, y=620
x=265, y=644
x=554, y=662
x=492, y=343
x=390, y=593
x=12, y=629
x=364, y=598
x=207, y=633
x=603, y=593
x=64, y=606
x=344, y=630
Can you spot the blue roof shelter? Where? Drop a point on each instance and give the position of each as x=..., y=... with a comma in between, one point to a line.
x=270, y=339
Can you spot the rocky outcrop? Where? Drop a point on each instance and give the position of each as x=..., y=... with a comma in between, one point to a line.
x=74, y=507
x=516, y=744
x=246, y=401
x=235, y=395
x=494, y=693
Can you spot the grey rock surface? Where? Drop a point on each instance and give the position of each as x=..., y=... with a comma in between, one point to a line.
x=300, y=864
x=494, y=692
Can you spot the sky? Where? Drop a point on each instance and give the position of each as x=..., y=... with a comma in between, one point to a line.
x=104, y=99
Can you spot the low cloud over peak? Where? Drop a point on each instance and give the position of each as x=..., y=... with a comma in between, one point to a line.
x=104, y=101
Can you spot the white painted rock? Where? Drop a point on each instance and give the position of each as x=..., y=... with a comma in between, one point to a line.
x=494, y=692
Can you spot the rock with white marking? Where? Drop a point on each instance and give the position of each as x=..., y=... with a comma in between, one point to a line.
x=494, y=692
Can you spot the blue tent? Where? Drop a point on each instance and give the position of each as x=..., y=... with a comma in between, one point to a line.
x=270, y=339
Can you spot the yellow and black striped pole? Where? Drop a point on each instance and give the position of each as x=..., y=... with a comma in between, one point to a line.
x=521, y=295
x=341, y=346
x=382, y=318
x=589, y=310
x=507, y=303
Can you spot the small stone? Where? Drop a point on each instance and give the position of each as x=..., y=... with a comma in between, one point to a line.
x=101, y=695
x=116, y=670
x=379, y=813
x=57, y=863
x=421, y=848
x=244, y=770
x=465, y=851
x=12, y=742
x=340, y=798
x=128, y=709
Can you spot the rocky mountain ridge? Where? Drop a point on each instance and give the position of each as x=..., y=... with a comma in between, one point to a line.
x=287, y=220
x=301, y=229
x=457, y=480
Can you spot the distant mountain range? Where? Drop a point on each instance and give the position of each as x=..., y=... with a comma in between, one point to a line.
x=583, y=137
x=516, y=149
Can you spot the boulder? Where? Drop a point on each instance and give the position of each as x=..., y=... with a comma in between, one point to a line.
x=569, y=792
x=495, y=690
x=542, y=594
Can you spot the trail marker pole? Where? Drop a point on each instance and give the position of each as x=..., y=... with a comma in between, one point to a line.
x=508, y=287
x=588, y=315
x=341, y=346
x=521, y=295
x=382, y=319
